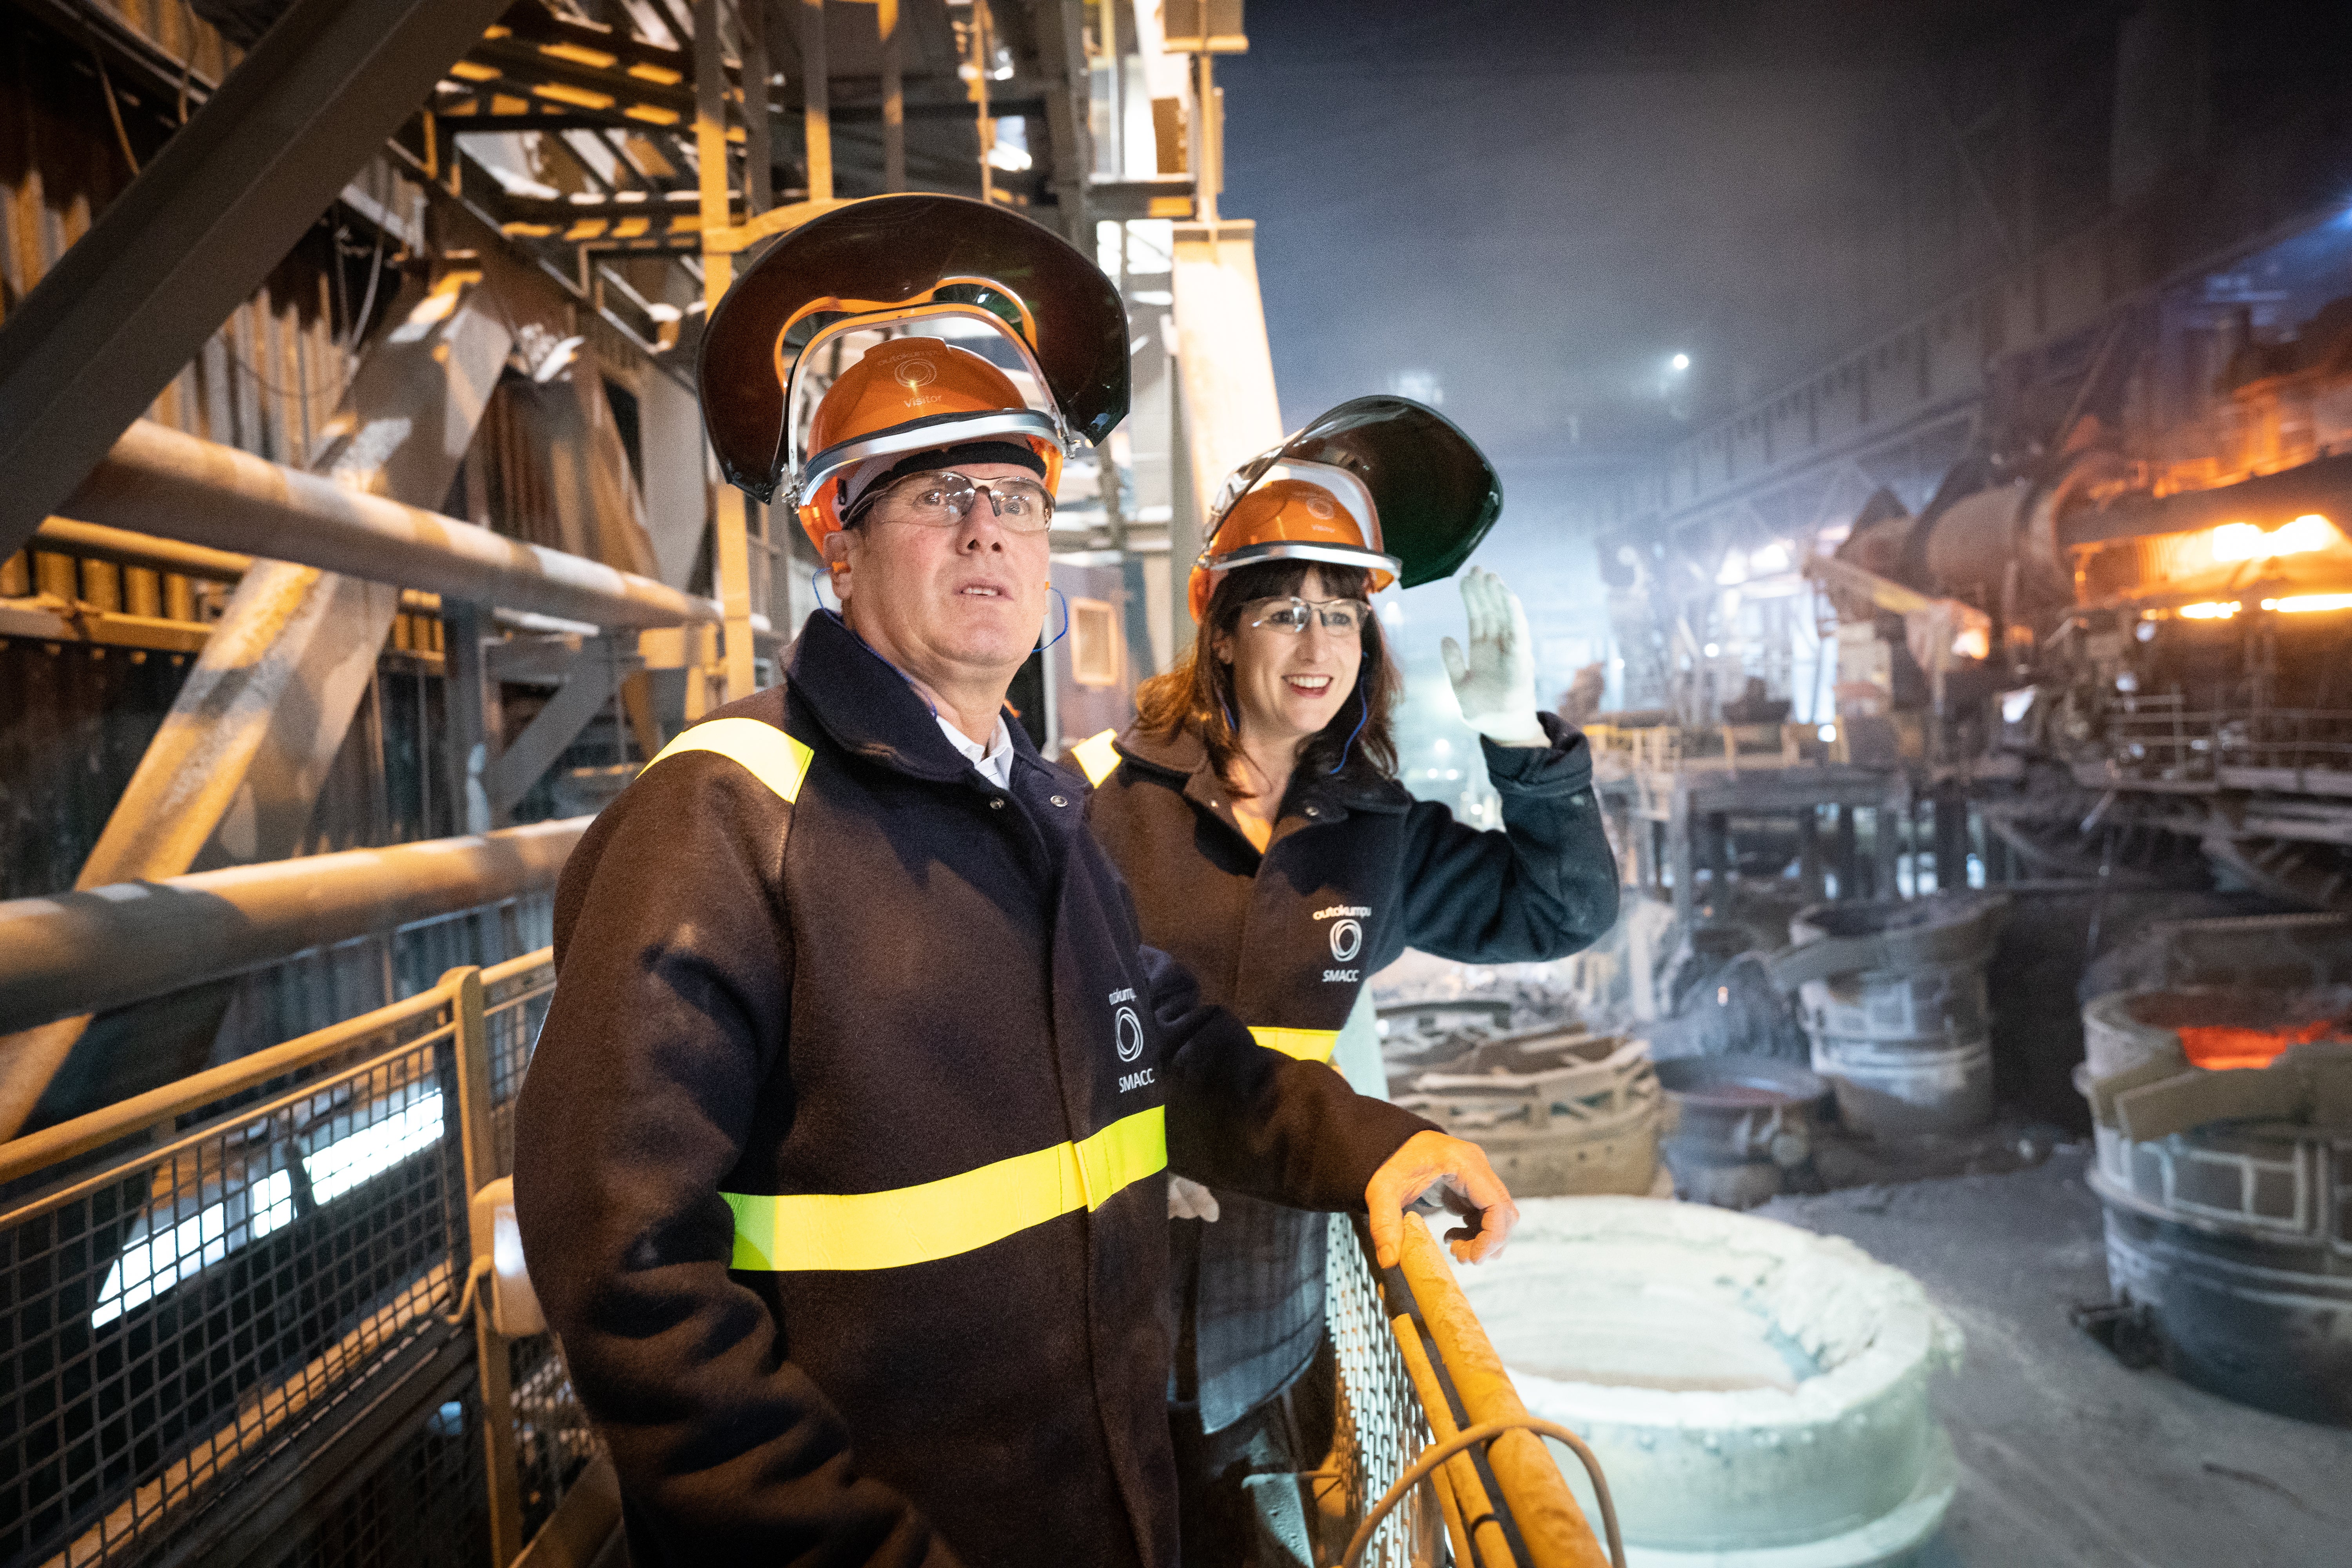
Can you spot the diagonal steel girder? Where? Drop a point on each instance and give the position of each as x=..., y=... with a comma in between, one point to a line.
x=201, y=227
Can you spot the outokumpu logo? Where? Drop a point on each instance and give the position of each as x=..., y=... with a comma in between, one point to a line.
x=1346, y=940
x=1130, y=1035
x=914, y=374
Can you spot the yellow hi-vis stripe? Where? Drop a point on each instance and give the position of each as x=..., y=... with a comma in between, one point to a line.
x=765, y=752
x=1096, y=756
x=797, y=1231
x=1307, y=1045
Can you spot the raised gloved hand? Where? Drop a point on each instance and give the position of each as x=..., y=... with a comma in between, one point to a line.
x=1188, y=1199
x=1496, y=682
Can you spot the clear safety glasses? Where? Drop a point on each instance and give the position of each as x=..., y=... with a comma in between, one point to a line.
x=944, y=499
x=1344, y=617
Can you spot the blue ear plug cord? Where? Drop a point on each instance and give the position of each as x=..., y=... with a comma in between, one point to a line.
x=1364, y=711
x=1057, y=636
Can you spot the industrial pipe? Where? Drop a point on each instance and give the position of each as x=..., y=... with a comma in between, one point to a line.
x=126, y=549
x=162, y=481
x=108, y=947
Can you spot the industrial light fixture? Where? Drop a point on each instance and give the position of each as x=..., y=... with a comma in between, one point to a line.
x=2245, y=541
x=2214, y=610
x=1682, y=361
x=2307, y=604
x=166, y=1257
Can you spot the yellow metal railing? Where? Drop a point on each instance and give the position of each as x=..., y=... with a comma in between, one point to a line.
x=249, y=1262
x=1464, y=1452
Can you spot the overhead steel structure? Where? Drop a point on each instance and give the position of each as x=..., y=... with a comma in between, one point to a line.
x=356, y=542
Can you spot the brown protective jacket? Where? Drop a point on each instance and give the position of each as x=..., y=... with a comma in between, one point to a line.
x=839, y=1163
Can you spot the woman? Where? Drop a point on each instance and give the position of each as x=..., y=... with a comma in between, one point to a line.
x=1253, y=809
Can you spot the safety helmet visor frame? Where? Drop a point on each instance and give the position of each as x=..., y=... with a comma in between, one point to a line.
x=1432, y=493
x=908, y=247
x=800, y=472
x=1300, y=550
x=917, y=435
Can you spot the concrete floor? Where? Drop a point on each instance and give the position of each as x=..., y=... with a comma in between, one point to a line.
x=2067, y=1459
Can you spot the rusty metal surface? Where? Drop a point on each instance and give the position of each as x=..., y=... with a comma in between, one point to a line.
x=159, y=480
x=83, y=952
x=201, y=225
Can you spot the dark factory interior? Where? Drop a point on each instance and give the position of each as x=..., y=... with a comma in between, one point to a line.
x=1626, y=841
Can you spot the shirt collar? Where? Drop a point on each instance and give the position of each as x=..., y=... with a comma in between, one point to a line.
x=868, y=708
x=995, y=760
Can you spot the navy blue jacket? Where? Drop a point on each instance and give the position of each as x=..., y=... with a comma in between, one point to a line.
x=810, y=962
x=1355, y=871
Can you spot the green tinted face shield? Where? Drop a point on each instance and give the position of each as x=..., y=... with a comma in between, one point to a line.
x=1435, y=493
x=903, y=258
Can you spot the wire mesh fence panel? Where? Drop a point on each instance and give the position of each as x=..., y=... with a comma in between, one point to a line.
x=1381, y=1428
x=553, y=1442
x=173, y=1316
x=422, y=1504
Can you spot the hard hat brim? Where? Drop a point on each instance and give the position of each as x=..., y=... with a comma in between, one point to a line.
x=891, y=250
x=1303, y=550
x=934, y=430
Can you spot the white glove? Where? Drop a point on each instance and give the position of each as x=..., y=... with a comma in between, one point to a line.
x=1495, y=683
x=1188, y=1199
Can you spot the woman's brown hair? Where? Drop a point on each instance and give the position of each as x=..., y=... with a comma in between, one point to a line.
x=1197, y=694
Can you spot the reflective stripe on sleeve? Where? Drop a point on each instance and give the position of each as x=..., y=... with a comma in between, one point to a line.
x=810, y=1231
x=1096, y=756
x=1307, y=1045
x=765, y=752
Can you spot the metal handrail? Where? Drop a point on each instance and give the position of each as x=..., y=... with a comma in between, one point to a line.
x=22, y=1157
x=1505, y=1501
x=98, y=948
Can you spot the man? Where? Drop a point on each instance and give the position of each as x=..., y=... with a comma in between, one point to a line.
x=839, y=1163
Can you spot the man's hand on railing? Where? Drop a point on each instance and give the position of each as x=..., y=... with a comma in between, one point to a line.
x=1456, y=1172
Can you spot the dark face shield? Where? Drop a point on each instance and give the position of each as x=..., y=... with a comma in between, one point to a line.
x=890, y=252
x=1435, y=492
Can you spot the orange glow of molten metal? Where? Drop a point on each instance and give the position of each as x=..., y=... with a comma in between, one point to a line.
x=2216, y=1047
x=2244, y=541
x=2211, y=611
x=2308, y=604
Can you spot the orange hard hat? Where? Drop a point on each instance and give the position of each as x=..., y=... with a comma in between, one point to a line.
x=909, y=395
x=1327, y=517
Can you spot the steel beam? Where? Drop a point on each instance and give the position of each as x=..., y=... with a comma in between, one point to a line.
x=894, y=97
x=108, y=947
x=731, y=552
x=158, y=481
x=816, y=87
x=588, y=685
x=200, y=229
x=234, y=774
